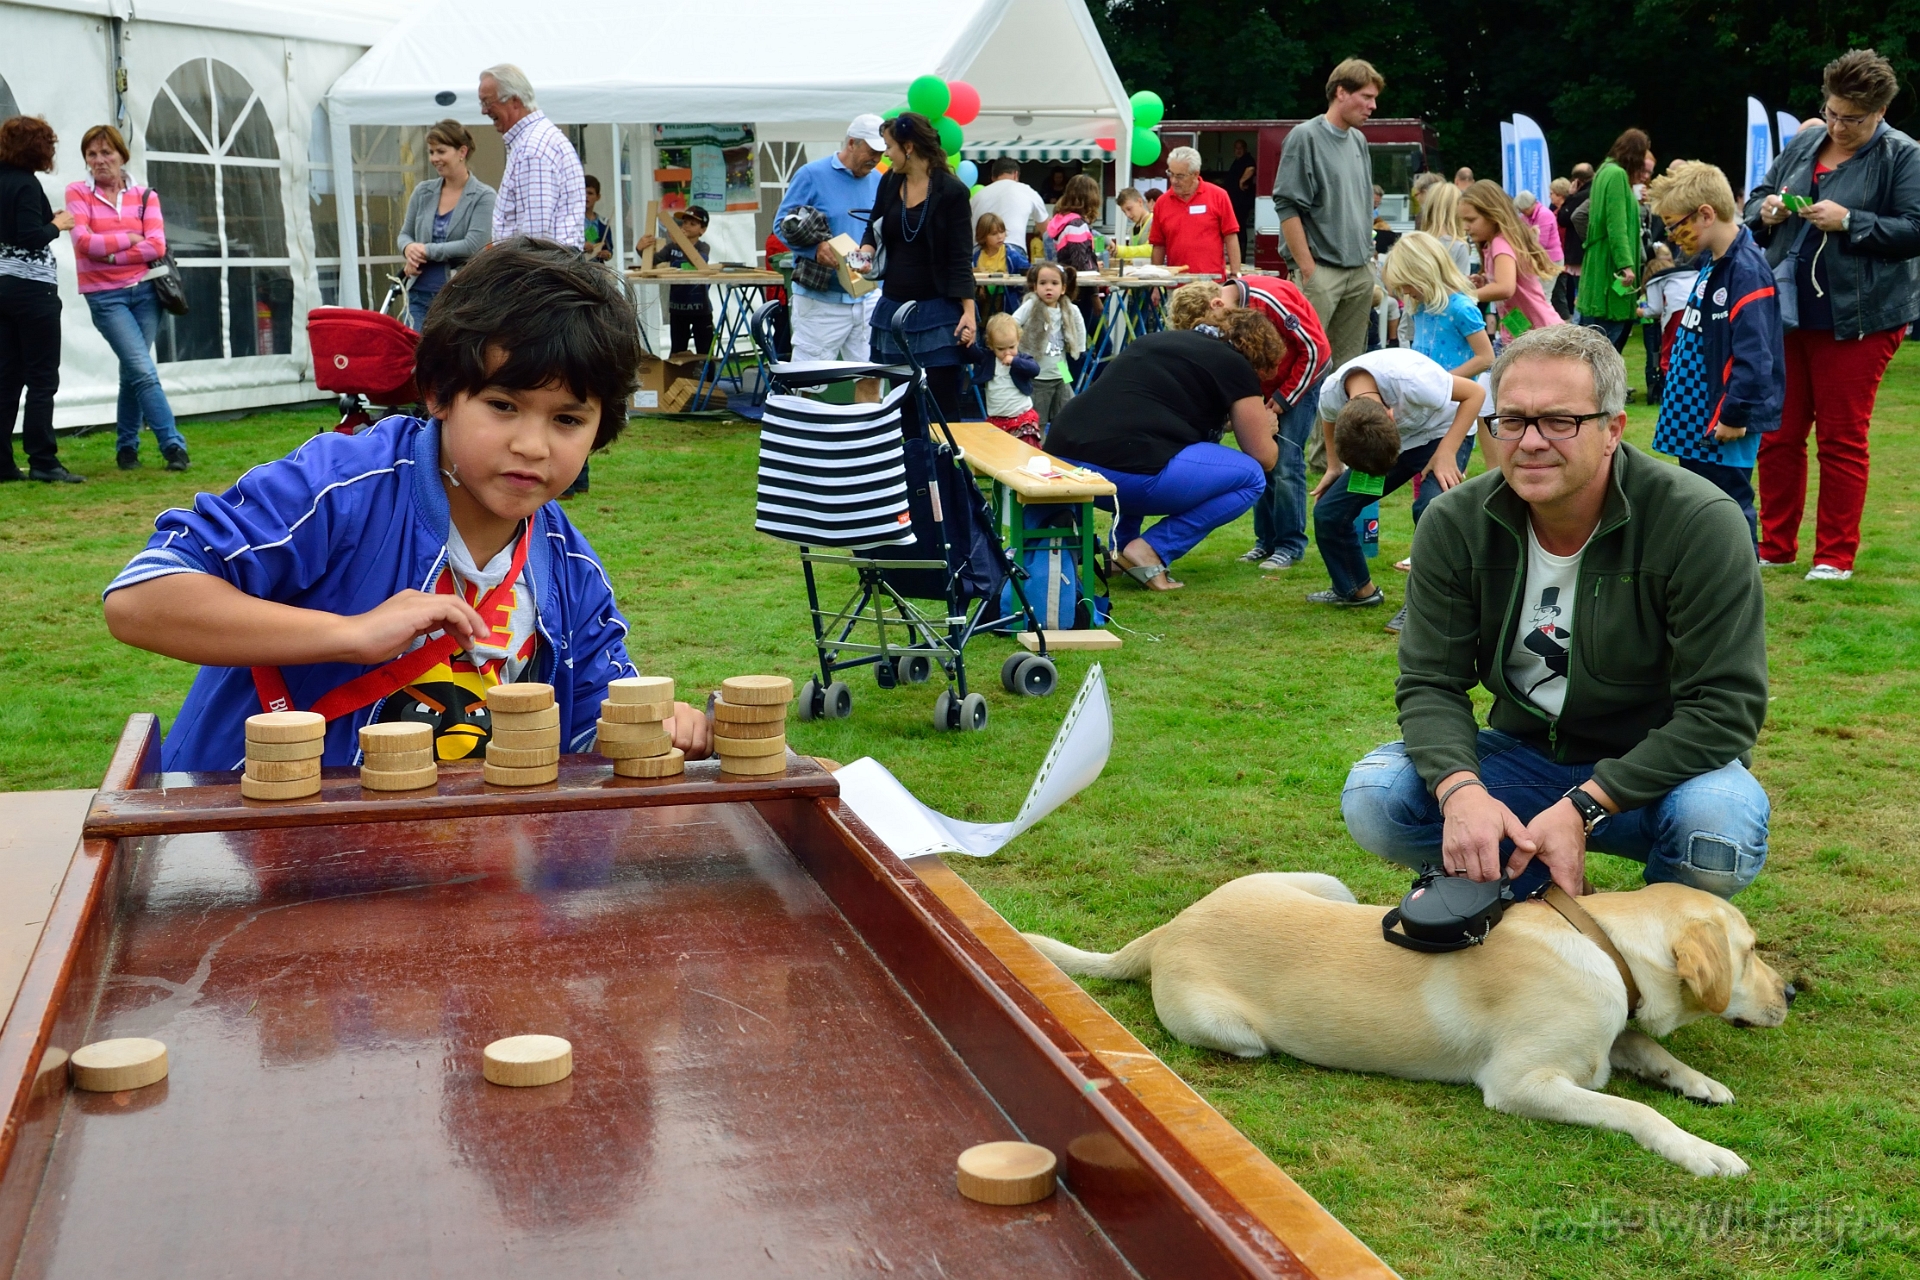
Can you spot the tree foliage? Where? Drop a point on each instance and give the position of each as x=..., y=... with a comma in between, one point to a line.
x=1584, y=69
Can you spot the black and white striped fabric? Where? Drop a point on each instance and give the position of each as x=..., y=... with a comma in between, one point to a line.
x=834, y=475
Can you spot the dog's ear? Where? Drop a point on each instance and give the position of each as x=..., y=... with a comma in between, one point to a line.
x=1702, y=959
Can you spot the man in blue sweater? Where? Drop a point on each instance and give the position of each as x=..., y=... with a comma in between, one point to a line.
x=828, y=322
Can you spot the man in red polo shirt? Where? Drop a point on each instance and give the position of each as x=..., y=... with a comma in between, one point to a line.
x=1193, y=223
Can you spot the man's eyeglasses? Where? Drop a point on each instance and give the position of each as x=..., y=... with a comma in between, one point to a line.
x=1847, y=122
x=1551, y=426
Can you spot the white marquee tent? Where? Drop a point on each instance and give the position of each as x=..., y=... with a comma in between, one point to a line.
x=237, y=110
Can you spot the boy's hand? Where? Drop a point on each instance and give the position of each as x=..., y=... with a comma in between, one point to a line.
x=1326, y=481
x=1005, y=356
x=1444, y=470
x=691, y=732
x=1724, y=433
x=383, y=633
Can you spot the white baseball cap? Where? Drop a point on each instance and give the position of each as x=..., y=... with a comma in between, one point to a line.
x=867, y=129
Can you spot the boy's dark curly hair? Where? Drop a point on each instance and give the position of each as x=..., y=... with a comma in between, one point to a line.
x=1365, y=436
x=526, y=314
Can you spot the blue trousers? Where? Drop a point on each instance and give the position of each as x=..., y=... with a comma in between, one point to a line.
x=128, y=319
x=1617, y=331
x=417, y=304
x=1334, y=514
x=1735, y=482
x=1280, y=517
x=1709, y=832
x=1204, y=487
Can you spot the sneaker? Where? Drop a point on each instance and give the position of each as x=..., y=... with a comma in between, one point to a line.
x=1399, y=621
x=1344, y=601
x=1776, y=564
x=1819, y=572
x=1255, y=556
x=56, y=474
x=176, y=458
x=129, y=459
x=1279, y=560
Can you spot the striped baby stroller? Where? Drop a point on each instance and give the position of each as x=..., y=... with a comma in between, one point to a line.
x=880, y=489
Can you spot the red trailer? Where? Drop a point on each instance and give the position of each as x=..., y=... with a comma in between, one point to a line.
x=1401, y=148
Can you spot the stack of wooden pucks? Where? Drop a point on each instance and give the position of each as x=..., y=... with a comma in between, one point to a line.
x=750, y=724
x=524, y=749
x=283, y=755
x=397, y=756
x=634, y=729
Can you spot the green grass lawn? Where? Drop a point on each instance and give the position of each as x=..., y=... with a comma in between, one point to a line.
x=1238, y=710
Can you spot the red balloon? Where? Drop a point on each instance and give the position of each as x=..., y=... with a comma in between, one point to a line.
x=965, y=105
x=1106, y=144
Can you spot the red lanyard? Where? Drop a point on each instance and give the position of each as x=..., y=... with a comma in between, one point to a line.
x=495, y=609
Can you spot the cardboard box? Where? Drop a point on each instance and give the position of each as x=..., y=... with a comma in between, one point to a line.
x=657, y=377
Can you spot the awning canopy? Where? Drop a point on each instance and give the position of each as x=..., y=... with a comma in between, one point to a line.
x=1037, y=149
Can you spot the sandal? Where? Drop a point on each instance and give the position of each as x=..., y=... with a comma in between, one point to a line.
x=1144, y=574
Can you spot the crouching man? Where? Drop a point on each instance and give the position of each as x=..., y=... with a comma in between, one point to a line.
x=1612, y=607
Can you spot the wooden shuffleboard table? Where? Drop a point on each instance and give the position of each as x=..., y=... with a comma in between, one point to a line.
x=783, y=1036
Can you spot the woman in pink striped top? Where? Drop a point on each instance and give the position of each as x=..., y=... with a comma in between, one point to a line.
x=118, y=234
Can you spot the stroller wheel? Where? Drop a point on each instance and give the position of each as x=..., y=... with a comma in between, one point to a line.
x=886, y=672
x=944, y=709
x=838, y=701
x=1010, y=670
x=916, y=669
x=1035, y=677
x=806, y=706
x=973, y=712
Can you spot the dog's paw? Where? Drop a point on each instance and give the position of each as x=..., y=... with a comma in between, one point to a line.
x=1704, y=1090
x=1704, y=1160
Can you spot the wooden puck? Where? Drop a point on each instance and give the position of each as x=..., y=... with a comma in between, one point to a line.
x=397, y=761
x=747, y=729
x=522, y=757
x=502, y=777
x=753, y=766
x=634, y=750
x=732, y=713
x=286, y=726
x=522, y=1061
x=522, y=721
x=635, y=712
x=108, y=1066
x=254, y=789
x=522, y=739
x=608, y=731
x=311, y=749
x=757, y=691
x=395, y=736
x=517, y=698
x=641, y=689
x=726, y=747
x=1006, y=1173
x=399, y=779
x=282, y=770
x=670, y=765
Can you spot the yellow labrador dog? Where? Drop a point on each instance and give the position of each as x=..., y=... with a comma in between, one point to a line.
x=1536, y=1017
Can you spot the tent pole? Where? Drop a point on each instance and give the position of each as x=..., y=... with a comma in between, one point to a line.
x=344, y=208
x=619, y=207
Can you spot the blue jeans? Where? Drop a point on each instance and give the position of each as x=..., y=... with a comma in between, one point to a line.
x=1204, y=487
x=128, y=318
x=417, y=304
x=1709, y=832
x=1334, y=514
x=1430, y=488
x=1617, y=331
x=1280, y=517
x=1735, y=482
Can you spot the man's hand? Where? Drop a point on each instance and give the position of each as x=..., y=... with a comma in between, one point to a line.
x=1826, y=215
x=824, y=255
x=384, y=632
x=1559, y=837
x=1724, y=433
x=1475, y=824
x=691, y=732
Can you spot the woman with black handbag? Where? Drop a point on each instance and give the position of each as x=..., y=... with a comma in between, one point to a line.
x=29, y=299
x=118, y=238
x=922, y=226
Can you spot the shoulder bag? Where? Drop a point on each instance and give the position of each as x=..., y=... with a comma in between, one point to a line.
x=163, y=275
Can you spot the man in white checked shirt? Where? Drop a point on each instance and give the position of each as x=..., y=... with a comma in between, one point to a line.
x=543, y=192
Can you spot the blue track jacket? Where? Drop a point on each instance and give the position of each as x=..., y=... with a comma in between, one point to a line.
x=1741, y=338
x=342, y=524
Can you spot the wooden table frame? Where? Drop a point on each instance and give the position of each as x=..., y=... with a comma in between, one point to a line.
x=1002, y=458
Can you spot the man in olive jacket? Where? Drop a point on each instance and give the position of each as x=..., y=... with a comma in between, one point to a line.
x=1611, y=604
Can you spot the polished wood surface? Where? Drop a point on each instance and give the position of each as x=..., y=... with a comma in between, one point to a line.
x=1315, y=1235
x=993, y=453
x=39, y=834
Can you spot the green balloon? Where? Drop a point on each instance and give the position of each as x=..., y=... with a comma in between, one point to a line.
x=902, y=109
x=976, y=189
x=949, y=134
x=1146, y=146
x=929, y=96
x=1148, y=110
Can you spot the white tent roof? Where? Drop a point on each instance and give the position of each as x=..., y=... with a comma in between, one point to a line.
x=760, y=61
x=355, y=22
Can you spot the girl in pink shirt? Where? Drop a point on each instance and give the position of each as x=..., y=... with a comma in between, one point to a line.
x=118, y=234
x=1512, y=263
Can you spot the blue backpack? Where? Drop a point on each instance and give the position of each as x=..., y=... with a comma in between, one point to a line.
x=1053, y=581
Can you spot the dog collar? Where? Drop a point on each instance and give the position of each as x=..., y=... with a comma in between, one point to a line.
x=1576, y=915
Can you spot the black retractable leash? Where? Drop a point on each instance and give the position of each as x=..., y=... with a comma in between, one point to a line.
x=1447, y=913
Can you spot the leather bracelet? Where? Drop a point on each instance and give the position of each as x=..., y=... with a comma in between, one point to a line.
x=1448, y=793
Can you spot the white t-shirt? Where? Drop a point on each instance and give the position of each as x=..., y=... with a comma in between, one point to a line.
x=1004, y=398
x=1016, y=203
x=1414, y=386
x=474, y=582
x=1537, y=664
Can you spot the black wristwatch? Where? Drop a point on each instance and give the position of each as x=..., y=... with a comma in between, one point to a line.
x=1591, y=811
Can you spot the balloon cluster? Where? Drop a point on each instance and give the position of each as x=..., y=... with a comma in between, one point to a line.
x=1148, y=112
x=949, y=104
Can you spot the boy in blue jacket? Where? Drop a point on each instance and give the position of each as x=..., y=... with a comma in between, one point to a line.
x=401, y=573
x=1727, y=379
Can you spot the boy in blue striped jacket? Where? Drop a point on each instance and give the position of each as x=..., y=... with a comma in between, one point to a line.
x=401, y=573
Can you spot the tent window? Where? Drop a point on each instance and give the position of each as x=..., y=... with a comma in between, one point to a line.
x=388, y=162
x=213, y=158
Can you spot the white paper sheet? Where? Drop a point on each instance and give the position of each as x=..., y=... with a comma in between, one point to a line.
x=1078, y=754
